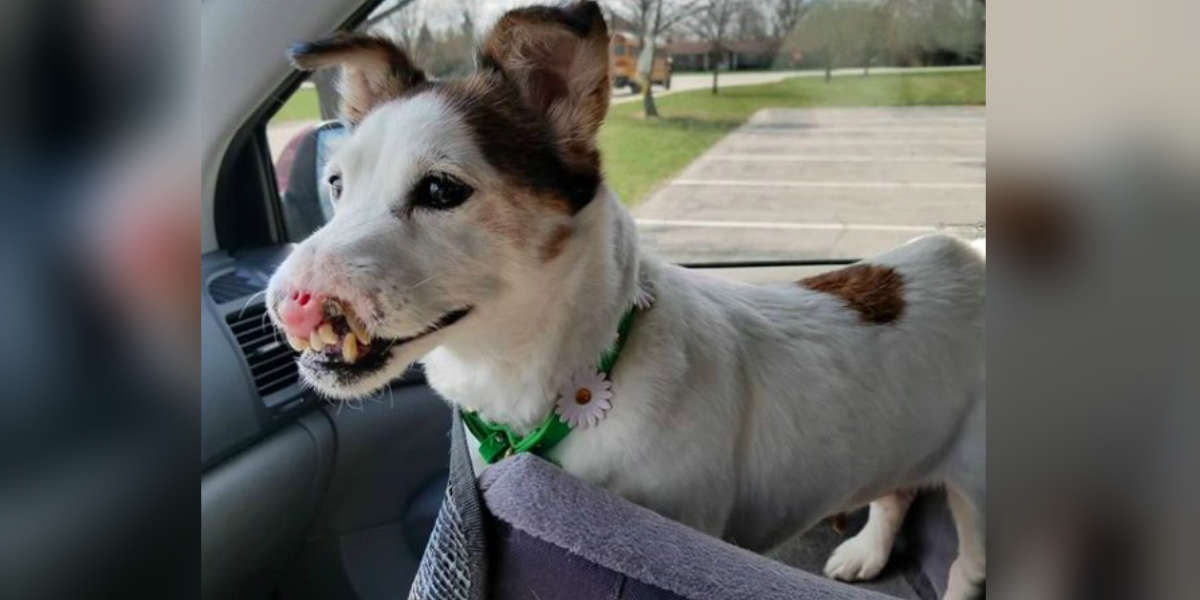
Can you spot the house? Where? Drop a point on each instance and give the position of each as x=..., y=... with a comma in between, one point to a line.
x=692, y=55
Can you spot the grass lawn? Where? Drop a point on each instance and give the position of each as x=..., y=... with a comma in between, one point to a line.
x=301, y=106
x=639, y=154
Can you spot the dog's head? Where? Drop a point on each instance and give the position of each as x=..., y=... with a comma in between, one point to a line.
x=447, y=192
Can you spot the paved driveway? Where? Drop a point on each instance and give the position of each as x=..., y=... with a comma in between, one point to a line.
x=824, y=183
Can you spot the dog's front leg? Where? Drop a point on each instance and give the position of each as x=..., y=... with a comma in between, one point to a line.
x=864, y=555
x=967, y=571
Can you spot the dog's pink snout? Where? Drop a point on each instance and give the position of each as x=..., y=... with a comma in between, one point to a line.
x=301, y=313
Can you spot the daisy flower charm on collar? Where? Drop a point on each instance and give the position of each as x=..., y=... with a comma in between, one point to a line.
x=584, y=399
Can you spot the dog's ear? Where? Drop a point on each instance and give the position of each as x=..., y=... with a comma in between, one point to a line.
x=558, y=57
x=374, y=70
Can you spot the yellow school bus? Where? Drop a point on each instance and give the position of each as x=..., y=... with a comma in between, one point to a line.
x=623, y=49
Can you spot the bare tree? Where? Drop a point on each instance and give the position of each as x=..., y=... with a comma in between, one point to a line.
x=751, y=22
x=405, y=27
x=712, y=23
x=653, y=17
x=956, y=26
x=838, y=32
x=875, y=22
x=786, y=14
x=915, y=30
x=902, y=32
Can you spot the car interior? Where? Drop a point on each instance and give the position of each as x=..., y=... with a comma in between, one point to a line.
x=299, y=498
x=307, y=498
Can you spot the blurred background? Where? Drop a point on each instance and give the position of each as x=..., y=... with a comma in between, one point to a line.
x=750, y=130
x=1092, y=143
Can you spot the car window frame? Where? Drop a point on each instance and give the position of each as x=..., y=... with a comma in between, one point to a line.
x=247, y=207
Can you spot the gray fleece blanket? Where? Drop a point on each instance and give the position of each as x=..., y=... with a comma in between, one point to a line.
x=539, y=499
x=528, y=529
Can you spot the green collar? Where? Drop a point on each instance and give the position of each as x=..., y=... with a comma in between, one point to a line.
x=498, y=441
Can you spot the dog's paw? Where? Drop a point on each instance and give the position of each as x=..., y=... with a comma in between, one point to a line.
x=857, y=559
x=643, y=296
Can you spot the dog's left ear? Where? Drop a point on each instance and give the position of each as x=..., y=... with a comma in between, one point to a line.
x=374, y=70
x=558, y=57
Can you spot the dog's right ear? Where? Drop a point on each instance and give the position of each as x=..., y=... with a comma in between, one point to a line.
x=558, y=57
x=374, y=70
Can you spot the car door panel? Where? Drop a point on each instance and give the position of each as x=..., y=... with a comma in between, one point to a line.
x=256, y=506
x=376, y=514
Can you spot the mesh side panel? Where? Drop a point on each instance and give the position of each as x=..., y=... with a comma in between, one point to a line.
x=444, y=572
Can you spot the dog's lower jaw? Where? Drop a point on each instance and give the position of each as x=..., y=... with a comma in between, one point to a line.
x=327, y=384
x=397, y=360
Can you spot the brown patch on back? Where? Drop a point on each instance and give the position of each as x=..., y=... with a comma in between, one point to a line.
x=875, y=292
x=557, y=242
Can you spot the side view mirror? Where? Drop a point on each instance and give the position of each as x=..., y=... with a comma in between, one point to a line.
x=306, y=203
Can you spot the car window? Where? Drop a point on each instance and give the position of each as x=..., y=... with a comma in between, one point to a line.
x=769, y=131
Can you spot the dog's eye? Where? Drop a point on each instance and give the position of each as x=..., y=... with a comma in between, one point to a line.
x=440, y=191
x=335, y=185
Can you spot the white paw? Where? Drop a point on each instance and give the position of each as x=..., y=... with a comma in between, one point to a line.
x=857, y=559
x=643, y=298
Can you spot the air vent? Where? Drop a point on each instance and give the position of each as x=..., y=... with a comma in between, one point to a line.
x=272, y=362
x=233, y=286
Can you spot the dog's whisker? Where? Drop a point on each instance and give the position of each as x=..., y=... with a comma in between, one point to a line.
x=463, y=257
x=264, y=322
x=376, y=397
x=250, y=299
x=421, y=283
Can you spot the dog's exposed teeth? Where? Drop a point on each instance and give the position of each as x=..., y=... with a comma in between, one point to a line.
x=327, y=334
x=297, y=344
x=350, y=348
x=335, y=340
x=341, y=340
x=359, y=329
x=341, y=336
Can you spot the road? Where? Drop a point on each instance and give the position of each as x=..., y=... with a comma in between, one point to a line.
x=824, y=183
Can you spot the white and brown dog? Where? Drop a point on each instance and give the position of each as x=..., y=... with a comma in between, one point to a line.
x=473, y=232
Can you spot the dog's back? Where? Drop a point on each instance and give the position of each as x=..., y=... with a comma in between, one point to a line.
x=838, y=388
